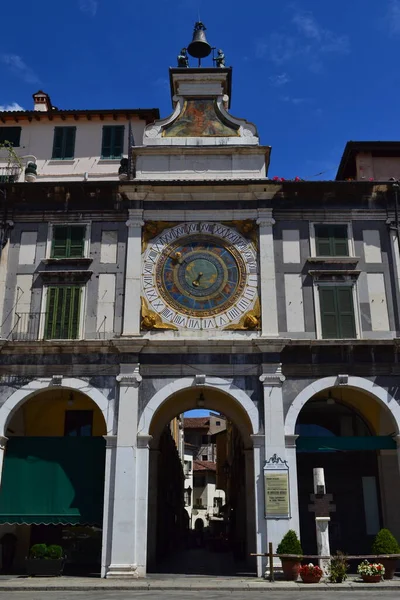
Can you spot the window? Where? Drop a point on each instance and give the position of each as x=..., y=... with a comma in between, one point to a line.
x=204, y=457
x=112, y=145
x=217, y=423
x=68, y=241
x=78, y=423
x=10, y=134
x=337, y=311
x=331, y=240
x=187, y=496
x=217, y=502
x=64, y=142
x=62, y=312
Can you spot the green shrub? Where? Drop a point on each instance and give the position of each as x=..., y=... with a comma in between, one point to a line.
x=385, y=543
x=338, y=567
x=38, y=551
x=290, y=544
x=54, y=552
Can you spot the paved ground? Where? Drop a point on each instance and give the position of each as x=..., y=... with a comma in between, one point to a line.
x=198, y=595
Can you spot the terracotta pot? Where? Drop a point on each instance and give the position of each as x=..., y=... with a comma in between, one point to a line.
x=371, y=578
x=390, y=565
x=309, y=578
x=291, y=567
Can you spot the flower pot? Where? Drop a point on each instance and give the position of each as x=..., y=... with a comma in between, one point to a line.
x=371, y=578
x=390, y=565
x=44, y=567
x=291, y=567
x=310, y=578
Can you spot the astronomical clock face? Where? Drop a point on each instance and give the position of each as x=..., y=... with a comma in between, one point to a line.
x=199, y=276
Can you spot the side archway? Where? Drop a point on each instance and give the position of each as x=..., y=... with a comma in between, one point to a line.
x=376, y=391
x=19, y=397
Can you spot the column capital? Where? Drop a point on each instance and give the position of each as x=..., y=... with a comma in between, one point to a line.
x=111, y=441
x=3, y=442
x=258, y=440
x=265, y=218
x=143, y=441
x=290, y=441
x=272, y=375
x=129, y=374
x=135, y=218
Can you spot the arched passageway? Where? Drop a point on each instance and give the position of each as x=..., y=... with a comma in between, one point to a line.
x=52, y=484
x=351, y=433
x=215, y=539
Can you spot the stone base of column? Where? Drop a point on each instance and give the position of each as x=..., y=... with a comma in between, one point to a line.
x=124, y=572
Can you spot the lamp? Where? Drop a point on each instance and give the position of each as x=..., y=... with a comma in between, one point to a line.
x=200, y=401
x=329, y=399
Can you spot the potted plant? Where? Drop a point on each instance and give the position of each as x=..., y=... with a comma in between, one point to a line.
x=371, y=572
x=31, y=172
x=290, y=544
x=45, y=560
x=123, y=170
x=386, y=543
x=338, y=567
x=310, y=573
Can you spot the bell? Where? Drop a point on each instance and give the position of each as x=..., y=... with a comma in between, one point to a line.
x=199, y=47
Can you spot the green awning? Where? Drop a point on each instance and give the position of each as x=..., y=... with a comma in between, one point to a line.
x=53, y=480
x=332, y=443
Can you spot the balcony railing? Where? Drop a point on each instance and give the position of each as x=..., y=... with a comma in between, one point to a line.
x=9, y=174
x=31, y=326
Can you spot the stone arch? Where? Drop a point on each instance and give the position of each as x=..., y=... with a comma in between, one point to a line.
x=19, y=397
x=186, y=383
x=372, y=389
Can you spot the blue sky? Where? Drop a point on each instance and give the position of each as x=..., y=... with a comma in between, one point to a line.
x=310, y=74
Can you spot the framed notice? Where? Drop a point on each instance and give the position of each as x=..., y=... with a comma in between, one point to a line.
x=276, y=482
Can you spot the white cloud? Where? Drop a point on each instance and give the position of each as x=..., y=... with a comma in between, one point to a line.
x=307, y=25
x=88, y=7
x=296, y=101
x=13, y=106
x=279, y=80
x=392, y=18
x=19, y=68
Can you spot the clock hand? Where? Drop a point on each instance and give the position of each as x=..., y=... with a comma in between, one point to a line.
x=196, y=282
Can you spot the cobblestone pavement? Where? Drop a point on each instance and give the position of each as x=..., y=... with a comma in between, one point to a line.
x=198, y=595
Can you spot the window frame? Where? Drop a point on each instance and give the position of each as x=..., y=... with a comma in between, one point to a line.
x=112, y=143
x=313, y=238
x=49, y=242
x=68, y=242
x=63, y=144
x=317, y=305
x=82, y=311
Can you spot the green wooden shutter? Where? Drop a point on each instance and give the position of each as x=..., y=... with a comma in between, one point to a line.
x=339, y=240
x=63, y=311
x=331, y=240
x=345, y=306
x=118, y=141
x=58, y=142
x=329, y=320
x=77, y=241
x=69, y=142
x=106, y=142
x=60, y=242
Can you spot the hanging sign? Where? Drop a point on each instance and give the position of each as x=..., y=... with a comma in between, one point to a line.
x=276, y=481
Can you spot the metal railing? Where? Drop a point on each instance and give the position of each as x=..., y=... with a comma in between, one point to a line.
x=27, y=326
x=10, y=174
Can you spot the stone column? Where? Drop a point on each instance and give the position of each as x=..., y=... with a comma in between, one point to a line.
x=142, y=503
x=259, y=508
x=131, y=319
x=269, y=307
x=272, y=380
x=111, y=444
x=125, y=515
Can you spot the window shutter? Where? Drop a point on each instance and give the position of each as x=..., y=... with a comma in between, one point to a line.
x=106, y=142
x=62, y=319
x=77, y=242
x=58, y=142
x=340, y=241
x=60, y=242
x=346, y=312
x=74, y=313
x=52, y=294
x=69, y=142
x=329, y=321
x=118, y=141
x=10, y=134
x=323, y=246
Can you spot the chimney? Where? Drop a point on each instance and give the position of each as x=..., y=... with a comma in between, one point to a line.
x=41, y=101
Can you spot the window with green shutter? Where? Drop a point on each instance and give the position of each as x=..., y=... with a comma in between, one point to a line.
x=64, y=142
x=112, y=145
x=331, y=240
x=68, y=241
x=11, y=135
x=337, y=312
x=62, y=312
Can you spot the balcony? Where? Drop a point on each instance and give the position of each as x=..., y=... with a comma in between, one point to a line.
x=30, y=327
x=10, y=174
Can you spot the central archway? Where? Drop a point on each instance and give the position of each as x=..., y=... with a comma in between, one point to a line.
x=242, y=415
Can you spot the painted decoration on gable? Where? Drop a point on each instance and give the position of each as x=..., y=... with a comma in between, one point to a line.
x=199, y=118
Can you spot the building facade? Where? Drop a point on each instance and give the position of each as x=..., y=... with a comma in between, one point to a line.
x=126, y=303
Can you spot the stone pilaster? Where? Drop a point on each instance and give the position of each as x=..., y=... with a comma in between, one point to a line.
x=131, y=321
x=269, y=307
x=259, y=508
x=111, y=444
